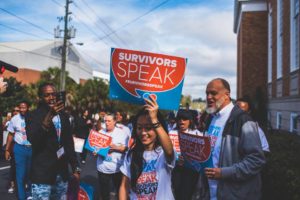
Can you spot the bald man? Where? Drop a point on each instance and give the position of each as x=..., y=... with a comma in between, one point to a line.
x=236, y=149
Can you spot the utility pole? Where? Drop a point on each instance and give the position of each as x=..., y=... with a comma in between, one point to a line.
x=68, y=34
x=64, y=49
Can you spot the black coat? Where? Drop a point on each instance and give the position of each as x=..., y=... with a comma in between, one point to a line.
x=45, y=164
x=82, y=129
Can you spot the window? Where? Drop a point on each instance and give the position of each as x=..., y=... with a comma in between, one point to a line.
x=295, y=23
x=278, y=120
x=279, y=37
x=270, y=20
x=294, y=122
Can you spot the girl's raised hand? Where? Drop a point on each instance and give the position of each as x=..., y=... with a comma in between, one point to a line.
x=152, y=106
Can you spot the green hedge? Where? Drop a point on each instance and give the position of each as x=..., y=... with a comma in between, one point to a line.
x=281, y=174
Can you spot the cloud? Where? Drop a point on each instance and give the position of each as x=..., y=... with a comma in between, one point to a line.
x=200, y=31
x=201, y=34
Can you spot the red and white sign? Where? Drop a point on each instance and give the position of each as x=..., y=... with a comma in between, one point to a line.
x=175, y=141
x=195, y=147
x=99, y=140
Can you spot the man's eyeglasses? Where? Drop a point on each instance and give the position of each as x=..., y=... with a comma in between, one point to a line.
x=16, y=110
x=49, y=94
x=147, y=127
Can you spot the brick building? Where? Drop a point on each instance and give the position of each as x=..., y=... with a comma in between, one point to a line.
x=268, y=59
x=32, y=57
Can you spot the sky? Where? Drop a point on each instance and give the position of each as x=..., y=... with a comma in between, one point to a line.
x=199, y=30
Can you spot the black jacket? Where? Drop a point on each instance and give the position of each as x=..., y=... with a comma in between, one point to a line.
x=45, y=164
x=82, y=129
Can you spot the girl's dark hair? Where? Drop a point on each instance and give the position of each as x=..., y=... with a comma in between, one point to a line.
x=137, y=161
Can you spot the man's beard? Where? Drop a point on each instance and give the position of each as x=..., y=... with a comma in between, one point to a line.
x=219, y=103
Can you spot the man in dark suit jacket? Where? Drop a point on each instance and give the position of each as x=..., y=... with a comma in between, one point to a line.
x=48, y=130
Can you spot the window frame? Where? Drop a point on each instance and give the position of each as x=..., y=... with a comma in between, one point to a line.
x=279, y=38
x=278, y=120
x=292, y=118
x=294, y=35
x=270, y=44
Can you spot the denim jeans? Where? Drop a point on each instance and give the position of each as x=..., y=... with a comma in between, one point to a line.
x=23, y=155
x=58, y=191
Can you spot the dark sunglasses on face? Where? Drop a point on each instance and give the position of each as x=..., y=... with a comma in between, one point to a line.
x=182, y=118
x=49, y=94
x=147, y=127
x=16, y=110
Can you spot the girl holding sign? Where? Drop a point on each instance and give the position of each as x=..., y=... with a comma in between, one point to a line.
x=148, y=165
x=184, y=179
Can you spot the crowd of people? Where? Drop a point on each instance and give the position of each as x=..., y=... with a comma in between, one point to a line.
x=142, y=162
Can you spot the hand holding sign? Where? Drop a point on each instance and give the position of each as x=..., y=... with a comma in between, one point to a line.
x=213, y=173
x=98, y=143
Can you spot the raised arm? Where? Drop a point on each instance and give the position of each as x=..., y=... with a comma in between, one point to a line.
x=152, y=107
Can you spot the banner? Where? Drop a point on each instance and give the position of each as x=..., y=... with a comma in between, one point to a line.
x=135, y=75
x=98, y=142
x=196, y=151
x=86, y=192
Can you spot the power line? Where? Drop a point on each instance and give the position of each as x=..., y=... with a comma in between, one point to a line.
x=110, y=29
x=89, y=29
x=12, y=28
x=57, y=3
x=27, y=21
x=42, y=55
x=84, y=24
x=82, y=11
x=95, y=60
x=136, y=19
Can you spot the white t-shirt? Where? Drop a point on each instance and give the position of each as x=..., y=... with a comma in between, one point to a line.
x=17, y=126
x=155, y=180
x=124, y=128
x=215, y=131
x=113, y=161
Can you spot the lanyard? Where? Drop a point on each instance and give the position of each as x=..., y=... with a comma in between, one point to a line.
x=57, y=125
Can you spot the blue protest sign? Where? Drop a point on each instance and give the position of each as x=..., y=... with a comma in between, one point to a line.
x=135, y=75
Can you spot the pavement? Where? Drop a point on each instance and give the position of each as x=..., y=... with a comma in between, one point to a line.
x=88, y=176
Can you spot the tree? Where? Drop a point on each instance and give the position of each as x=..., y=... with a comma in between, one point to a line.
x=14, y=94
x=93, y=95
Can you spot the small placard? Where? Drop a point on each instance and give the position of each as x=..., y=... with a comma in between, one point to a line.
x=78, y=144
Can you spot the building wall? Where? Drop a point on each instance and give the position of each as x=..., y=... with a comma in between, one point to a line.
x=46, y=56
x=284, y=96
x=252, y=59
x=253, y=45
x=25, y=76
